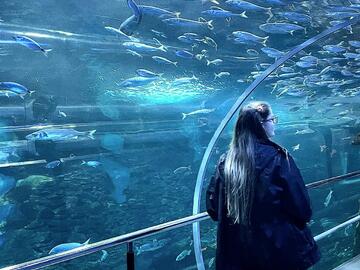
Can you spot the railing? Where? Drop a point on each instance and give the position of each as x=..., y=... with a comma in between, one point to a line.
x=129, y=238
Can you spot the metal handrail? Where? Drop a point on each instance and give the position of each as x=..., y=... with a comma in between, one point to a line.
x=130, y=237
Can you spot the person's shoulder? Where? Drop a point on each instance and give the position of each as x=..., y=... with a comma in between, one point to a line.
x=269, y=147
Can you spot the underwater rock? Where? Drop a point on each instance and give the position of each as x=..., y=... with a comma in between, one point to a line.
x=34, y=181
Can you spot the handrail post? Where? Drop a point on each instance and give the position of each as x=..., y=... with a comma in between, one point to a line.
x=130, y=257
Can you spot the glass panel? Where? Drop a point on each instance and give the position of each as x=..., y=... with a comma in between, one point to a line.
x=95, y=146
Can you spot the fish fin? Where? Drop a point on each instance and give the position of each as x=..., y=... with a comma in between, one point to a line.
x=270, y=15
x=184, y=116
x=210, y=25
x=243, y=14
x=86, y=242
x=90, y=134
x=46, y=51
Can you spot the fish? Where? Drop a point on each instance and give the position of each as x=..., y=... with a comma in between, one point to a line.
x=247, y=6
x=164, y=60
x=61, y=114
x=214, y=62
x=67, y=246
x=183, y=170
x=184, y=80
x=154, y=245
x=183, y=254
x=211, y=1
x=59, y=134
x=271, y=52
x=218, y=12
x=201, y=111
x=323, y=148
x=280, y=28
x=15, y=88
x=31, y=44
x=328, y=198
x=137, y=81
x=296, y=147
x=295, y=16
x=147, y=73
x=184, y=54
x=209, y=41
x=354, y=43
x=158, y=12
x=334, y=48
x=304, y=131
x=221, y=74
x=91, y=163
x=53, y=164
x=141, y=47
x=158, y=33
x=211, y=262
x=104, y=256
x=249, y=38
x=252, y=52
x=134, y=53
x=129, y=26
x=197, y=25
x=119, y=32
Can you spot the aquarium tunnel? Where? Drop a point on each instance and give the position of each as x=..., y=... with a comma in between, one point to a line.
x=114, y=114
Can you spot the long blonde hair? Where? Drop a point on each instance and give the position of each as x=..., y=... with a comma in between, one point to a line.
x=239, y=166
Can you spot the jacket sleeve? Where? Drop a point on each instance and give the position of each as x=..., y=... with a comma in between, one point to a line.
x=297, y=202
x=213, y=194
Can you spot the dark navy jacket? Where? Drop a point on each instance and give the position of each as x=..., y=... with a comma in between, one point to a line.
x=278, y=237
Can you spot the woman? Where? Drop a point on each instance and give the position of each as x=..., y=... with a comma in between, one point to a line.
x=260, y=201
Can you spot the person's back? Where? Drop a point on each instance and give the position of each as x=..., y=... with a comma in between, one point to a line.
x=262, y=223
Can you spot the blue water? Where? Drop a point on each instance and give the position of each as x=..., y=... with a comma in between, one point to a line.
x=140, y=166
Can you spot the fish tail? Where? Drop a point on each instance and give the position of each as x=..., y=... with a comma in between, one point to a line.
x=215, y=76
x=86, y=242
x=46, y=51
x=243, y=14
x=175, y=64
x=177, y=14
x=270, y=15
x=184, y=116
x=264, y=41
x=208, y=62
x=210, y=25
x=90, y=134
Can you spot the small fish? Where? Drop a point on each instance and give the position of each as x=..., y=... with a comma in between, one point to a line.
x=280, y=28
x=183, y=254
x=296, y=147
x=354, y=43
x=183, y=170
x=147, y=73
x=158, y=12
x=164, y=60
x=137, y=81
x=180, y=22
x=31, y=44
x=184, y=54
x=184, y=80
x=273, y=53
x=214, y=62
x=295, y=16
x=248, y=38
x=221, y=74
x=67, y=246
x=328, y=198
x=151, y=246
x=201, y=111
x=158, y=33
x=211, y=1
x=15, y=88
x=53, y=164
x=91, y=163
x=218, y=12
x=140, y=47
x=252, y=52
x=119, y=32
x=134, y=53
x=304, y=131
x=59, y=134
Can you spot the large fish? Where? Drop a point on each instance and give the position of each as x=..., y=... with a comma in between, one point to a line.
x=15, y=88
x=137, y=81
x=132, y=23
x=31, y=44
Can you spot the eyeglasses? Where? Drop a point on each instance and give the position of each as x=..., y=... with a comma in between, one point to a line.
x=274, y=119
